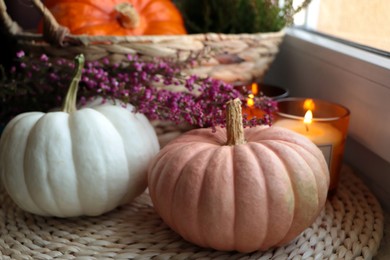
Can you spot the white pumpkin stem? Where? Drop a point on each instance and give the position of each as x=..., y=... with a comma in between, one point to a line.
x=69, y=105
x=128, y=15
x=234, y=125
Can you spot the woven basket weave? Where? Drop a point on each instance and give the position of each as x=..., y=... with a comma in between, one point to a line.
x=229, y=57
x=349, y=227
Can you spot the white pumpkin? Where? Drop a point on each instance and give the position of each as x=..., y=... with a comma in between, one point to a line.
x=85, y=162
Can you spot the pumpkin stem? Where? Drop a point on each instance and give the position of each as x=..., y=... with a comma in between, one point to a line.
x=69, y=105
x=128, y=16
x=234, y=126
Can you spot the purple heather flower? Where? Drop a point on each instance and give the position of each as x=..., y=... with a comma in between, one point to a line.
x=133, y=82
x=54, y=76
x=60, y=62
x=44, y=58
x=130, y=57
x=83, y=101
x=20, y=54
x=106, y=61
x=138, y=66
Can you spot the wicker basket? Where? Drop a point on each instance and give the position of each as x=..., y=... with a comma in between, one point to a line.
x=229, y=57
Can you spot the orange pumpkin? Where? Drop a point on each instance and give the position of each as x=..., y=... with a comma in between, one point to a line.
x=221, y=191
x=118, y=17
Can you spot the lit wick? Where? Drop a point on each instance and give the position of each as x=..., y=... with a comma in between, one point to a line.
x=308, y=119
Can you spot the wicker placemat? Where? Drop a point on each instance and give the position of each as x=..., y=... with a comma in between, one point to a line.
x=350, y=227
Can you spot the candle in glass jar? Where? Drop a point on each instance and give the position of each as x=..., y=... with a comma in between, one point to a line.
x=326, y=137
x=270, y=91
x=250, y=110
x=327, y=128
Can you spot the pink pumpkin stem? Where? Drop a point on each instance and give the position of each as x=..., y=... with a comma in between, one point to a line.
x=234, y=125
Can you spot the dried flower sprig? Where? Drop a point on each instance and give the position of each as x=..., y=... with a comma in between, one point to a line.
x=41, y=84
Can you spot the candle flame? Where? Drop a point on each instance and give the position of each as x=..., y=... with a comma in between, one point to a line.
x=308, y=104
x=308, y=117
x=250, y=102
x=255, y=89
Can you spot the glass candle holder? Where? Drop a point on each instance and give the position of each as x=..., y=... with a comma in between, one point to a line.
x=272, y=91
x=324, y=123
x=255, y=89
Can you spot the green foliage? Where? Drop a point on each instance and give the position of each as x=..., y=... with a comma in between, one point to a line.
x=236, y=16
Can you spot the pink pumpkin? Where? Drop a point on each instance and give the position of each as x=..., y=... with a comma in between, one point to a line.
x=221, y=191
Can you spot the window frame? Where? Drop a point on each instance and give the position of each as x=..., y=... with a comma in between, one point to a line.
x=309, y=23
x=353, y=44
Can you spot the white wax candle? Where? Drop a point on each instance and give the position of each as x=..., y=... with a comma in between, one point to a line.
x=325, y=136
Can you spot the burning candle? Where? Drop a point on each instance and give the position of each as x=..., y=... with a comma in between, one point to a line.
x=324, y=123
x=250, y=109
x=255, y=89
x=271, y=91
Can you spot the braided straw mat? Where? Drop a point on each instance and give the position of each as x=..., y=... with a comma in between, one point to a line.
x=350, y=227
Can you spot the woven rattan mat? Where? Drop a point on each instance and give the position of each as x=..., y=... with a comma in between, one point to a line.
x=350, y=227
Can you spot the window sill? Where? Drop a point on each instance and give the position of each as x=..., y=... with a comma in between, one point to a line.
x=342, y=47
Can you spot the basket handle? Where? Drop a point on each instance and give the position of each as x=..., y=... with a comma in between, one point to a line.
x=53, y=32
x=12, y=26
